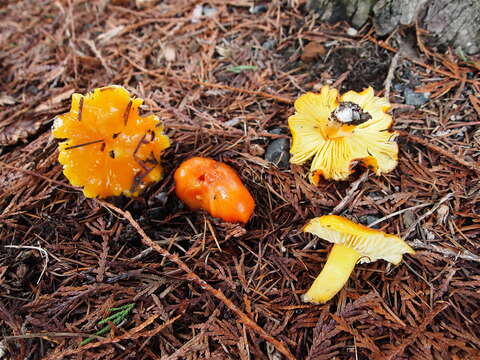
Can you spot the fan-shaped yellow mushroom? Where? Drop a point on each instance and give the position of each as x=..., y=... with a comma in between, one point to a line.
x=339, y=131
x=109, y=148
x=353, y=243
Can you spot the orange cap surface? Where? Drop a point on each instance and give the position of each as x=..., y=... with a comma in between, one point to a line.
x=213, y=186
x=109, y=148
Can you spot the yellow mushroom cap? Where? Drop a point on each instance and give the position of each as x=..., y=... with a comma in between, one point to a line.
x=371, y=244
x=109, y=148
x=324, y=128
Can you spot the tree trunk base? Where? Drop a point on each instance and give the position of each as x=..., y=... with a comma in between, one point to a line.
x=450, y=23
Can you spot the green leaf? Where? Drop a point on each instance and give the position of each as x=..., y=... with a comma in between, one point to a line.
x=240, y=68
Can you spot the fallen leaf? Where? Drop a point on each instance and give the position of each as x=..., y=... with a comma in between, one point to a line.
x=121, y=2
x=19, y=130
x=197, y=13
x=145, y=4
x=55, y=100
x=169, y=53
x=6, y=100
x=312, y=50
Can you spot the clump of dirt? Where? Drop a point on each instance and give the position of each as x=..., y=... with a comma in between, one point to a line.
x=367, y=66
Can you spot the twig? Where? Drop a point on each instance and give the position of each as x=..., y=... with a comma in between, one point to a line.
x=42, y=251
x=341, y=79
x=278, y=98
x=127, y=113
x=397, y=213
x=203, y=284
x=98, y=54
x=85, y=144
x=80, y=109
x=46, y=335
x=32, y=173
x=461, y=254
x=417, y=331
x=391, y=72
x=438, y=149
x=350, y=193
x=427, y=213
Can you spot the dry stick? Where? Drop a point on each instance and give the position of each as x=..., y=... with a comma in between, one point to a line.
x=46, y=335
x=427, y=213
x=460, y=254
x=397, y=213
x=38, y=248
x=417, y=332
x=32, y=173
x=85, y=144
x=441, y=151
x=127, y=112
x=195, y=278
x=391, y=72
x=384, y=45
x=281, y=99
x=350, y=193
x=80, y=109
x=341, y=79
x=98, y=54
x=417, y=244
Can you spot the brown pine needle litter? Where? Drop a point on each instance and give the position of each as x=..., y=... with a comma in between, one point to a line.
x=223, y=83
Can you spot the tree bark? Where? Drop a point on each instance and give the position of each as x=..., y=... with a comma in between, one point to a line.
x=452, y=23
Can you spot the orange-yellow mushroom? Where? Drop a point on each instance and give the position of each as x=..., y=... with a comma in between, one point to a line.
x=109, y=148
x=338, y=131
x=353, y=243
x=213, y=186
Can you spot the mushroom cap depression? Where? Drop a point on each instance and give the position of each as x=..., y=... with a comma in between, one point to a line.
x=371, y=244
x=338, y=131
x=109, y=148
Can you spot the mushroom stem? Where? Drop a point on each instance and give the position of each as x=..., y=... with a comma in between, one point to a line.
x=332, y=278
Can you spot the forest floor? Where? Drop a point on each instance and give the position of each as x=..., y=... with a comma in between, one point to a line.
x=222, y=75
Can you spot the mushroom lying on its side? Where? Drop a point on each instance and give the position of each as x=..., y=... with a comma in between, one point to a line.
x=352, y=243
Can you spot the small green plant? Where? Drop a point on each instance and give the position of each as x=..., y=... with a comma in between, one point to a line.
x=120, y=314
x=240, y=68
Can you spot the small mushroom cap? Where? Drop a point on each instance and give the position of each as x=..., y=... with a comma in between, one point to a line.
x=370, y=243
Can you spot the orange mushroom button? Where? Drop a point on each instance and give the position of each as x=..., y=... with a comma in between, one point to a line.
x=213, y=186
